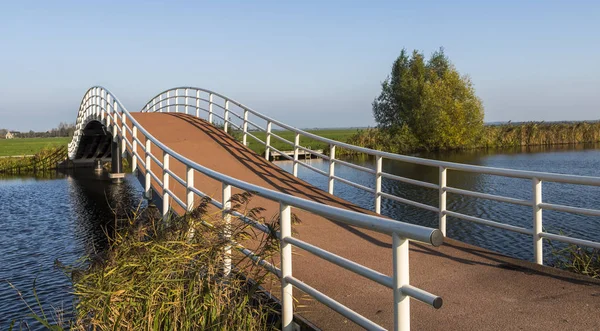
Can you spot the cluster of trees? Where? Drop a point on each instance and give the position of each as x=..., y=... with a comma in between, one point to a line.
x=427, y=104
x=63, y=130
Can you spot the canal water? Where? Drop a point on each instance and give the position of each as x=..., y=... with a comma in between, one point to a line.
x=49, y=220
x=63, y=218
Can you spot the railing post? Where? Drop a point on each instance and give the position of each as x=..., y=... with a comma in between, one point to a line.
x=103, y=108
x=400, y=278
x=95, y=103
x=187, y=98
x=160, y=103
x=538, y=243
x=177, y=100
x=197, y=103
x=108, y=111
x=123, y=133
x=331, y=168
x=268, y=141
x=147, y=186
x=154, y=105
x=226, y=116
x=189, y=183
x=226, y=202
x=245, y=126
x=168, y=102
x=115, y=116
x=287, y=295
x=210, y=108
x=442, y=216
x=379, y=169
x=296, y=144
x=165, y=211
x=134, y=149
x=97, y=106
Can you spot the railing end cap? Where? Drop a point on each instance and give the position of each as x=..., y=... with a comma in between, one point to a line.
x=438, y=302
x=436, y=238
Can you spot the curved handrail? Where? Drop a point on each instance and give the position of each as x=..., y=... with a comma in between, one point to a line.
x=553, y=177
x=375, y=223
x=101, y=105
x=536, y=177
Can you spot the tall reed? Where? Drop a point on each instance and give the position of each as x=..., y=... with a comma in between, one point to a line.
x=159, y=276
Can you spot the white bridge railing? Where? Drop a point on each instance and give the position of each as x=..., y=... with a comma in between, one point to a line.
x=99, y=104
x=232, y=114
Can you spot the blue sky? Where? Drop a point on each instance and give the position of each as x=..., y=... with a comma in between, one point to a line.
x=311, y=64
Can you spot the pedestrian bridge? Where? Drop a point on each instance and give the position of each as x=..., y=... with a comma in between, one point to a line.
x=352, y=264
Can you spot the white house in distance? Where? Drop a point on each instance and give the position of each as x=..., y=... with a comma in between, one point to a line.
x=9, y=135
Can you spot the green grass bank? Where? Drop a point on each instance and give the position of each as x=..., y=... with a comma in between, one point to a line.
x=30, y=146
x=43, y=160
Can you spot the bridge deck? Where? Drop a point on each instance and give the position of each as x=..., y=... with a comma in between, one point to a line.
x=482, y=290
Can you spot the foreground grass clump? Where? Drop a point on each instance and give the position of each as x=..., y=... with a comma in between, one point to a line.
x=30, y=146
x=171, y=277
x=585, y=261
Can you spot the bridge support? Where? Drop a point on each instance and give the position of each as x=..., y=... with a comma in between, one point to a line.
x=98, y=166
x=116, y=171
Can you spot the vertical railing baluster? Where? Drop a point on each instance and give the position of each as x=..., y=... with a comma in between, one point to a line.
x=103, y=108
x=123, y=133
x=226, y=214
x=168, y=99
x=245, y=126
x=95, y=103
x=287, y=295
x=177, y=100
x=210, y=108
x=147, y=184
x=165, y=211
x=296, y=144
x=134, y=149
x=187, y=99
x=400, y=278
x=97, y=106
x=89, y=103
x=378, y=171
x=189, y=183
x=331, y=168
x=197, y=103
x=442, y=212
x=160, y=103
x=538, y=243
x=268, y=141
x=115, y=117
x=226, y=115
x=108, y=111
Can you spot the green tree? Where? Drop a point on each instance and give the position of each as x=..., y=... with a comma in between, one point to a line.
x=431, y=101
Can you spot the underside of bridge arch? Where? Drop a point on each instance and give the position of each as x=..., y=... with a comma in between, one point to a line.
x=95, y=144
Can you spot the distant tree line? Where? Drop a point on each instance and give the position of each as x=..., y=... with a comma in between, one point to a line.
x=63, y=130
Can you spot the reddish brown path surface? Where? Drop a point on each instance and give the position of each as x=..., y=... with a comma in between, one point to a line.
x=482, y=290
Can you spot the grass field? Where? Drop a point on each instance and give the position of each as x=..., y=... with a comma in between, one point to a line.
x=334, y=134
x=29, y=146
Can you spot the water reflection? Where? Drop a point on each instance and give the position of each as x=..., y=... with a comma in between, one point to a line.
x=579, y=160
x=43, y=219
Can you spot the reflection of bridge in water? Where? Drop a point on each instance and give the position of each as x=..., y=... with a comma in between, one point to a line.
x=180, y=155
